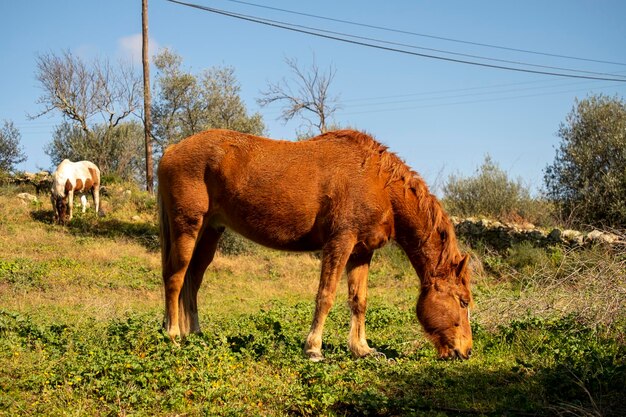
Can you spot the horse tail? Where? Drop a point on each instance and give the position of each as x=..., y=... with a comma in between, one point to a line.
x=164, y=234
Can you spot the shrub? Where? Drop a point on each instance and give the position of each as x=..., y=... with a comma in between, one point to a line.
x=490, y=192
x=525, y=256
x=233, y=244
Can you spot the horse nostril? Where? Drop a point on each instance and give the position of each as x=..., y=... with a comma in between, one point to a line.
x=469, y=353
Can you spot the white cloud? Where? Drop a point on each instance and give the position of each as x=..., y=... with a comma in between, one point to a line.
x=130, y=47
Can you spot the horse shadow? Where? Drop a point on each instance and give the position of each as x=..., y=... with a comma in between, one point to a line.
x=479, y=392
x=88, y=225
x=489, y=386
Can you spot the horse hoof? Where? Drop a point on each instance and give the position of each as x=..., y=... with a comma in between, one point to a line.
x=377, y=355
x=174, y=338
x=315, y=356
x=367, y=352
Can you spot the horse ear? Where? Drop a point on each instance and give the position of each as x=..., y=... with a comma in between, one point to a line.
x=460, y=268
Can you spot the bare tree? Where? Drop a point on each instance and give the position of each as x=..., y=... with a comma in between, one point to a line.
x=95, y=97
x=306, y=94
x=81, y=92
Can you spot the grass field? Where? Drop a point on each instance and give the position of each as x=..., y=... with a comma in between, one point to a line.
x=81, y=335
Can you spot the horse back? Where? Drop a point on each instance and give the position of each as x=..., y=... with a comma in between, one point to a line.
x=75, y=176
x=288, y=195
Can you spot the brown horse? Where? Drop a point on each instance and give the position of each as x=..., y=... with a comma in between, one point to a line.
x=342, y=193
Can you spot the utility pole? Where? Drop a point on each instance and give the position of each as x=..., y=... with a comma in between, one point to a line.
x=147, y=103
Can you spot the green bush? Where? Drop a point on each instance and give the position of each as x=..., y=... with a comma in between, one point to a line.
x=233, y=244
x=524, y=256
x=491, y=193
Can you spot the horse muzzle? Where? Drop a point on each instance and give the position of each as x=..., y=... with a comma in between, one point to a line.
x=452, y=354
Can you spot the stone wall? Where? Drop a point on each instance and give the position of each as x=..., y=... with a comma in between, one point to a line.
x=41, y=181
x=502, y=236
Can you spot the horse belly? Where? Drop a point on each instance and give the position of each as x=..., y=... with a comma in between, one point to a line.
x=275, y=223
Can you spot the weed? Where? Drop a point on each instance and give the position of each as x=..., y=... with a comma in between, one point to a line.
x=524, y=256
x=23, y=273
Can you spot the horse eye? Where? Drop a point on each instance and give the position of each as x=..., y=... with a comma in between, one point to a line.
x=464, y=303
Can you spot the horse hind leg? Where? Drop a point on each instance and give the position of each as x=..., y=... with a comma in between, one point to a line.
x=358, y=268
x=188, y=300
x=177, y=260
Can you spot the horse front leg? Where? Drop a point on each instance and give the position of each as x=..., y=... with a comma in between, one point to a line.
x=70, y=203
x=95, y=193
x=334, y=258
x=55, y=210
x=358, y=268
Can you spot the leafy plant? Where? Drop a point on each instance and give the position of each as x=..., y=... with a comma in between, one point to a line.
x=232, y=243
x=526, y=256
x=490, y=192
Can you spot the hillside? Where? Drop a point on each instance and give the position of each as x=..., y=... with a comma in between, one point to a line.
x=81, y=310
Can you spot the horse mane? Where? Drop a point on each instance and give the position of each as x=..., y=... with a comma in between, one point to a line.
x=395, y=170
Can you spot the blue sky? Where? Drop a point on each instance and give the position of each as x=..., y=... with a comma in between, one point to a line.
x=441, y=117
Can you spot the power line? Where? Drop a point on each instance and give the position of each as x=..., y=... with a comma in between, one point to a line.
x=426, y=49
x=405, y=32
x=443, y=98
x=454, y=90
x=289, y=27
x=452, y=94
x=454, y=103
x=443, y=51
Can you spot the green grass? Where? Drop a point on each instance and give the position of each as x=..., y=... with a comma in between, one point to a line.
x=253, y=365
x=81, y=334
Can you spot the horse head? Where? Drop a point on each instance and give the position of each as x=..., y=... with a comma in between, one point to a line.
x=61, y=214
x=443, y=310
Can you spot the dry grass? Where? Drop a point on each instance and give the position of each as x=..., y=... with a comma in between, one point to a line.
x=63, y=274
x=589, y=284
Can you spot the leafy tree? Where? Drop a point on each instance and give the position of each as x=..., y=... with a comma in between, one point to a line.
x=11, y=153
x=311, y=133
x=306, y=95
x=587, y=179
x=186, y=103
x=224, y=106
x=96, y=100
x=117, y=151
x=489, y=192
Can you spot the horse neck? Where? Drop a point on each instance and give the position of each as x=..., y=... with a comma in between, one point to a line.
x=422, y=229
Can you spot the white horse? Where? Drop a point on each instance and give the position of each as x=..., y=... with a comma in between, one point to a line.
x=71, y=177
